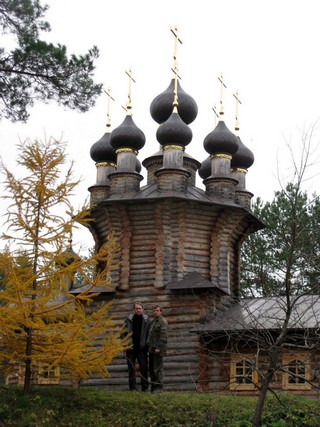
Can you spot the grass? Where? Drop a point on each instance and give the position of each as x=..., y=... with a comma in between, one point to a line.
x=63, y=407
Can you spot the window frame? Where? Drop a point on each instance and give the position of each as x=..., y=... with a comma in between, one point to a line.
x=288, y=358
x=246, y=358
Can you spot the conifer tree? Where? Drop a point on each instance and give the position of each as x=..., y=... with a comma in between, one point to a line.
x=41, y=323
x=37, y=70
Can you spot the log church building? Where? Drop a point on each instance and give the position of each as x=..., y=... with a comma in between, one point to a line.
x=180, y=248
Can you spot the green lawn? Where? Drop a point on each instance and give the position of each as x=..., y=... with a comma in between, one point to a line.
x=58, y=407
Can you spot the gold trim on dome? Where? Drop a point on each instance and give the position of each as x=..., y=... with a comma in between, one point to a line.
x=242, y=170
x=173, y=147
x=221, y=156
x=99, y=164
x=126, y=150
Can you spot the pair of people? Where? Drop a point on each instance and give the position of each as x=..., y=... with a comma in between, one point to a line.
x=148, y=336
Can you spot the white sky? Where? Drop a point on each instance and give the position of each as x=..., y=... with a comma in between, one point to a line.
x=267, y=50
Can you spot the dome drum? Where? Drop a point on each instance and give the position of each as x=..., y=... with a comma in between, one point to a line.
x=243, y=198
x=220, y=165
x=123, y=182
x=172, y=179
x=98, y=193
x=240, y=175
x=221, y=187
x=103, y=171
x=173, y=156
x=126, y=159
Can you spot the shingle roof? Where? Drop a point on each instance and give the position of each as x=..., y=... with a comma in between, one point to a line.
x=194, y=281
x=265, y=313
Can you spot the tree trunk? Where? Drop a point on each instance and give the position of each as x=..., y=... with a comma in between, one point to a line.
x=27, y=374
x=256, y=422
x=272, y=368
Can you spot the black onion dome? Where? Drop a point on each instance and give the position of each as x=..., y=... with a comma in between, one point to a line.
x=243, y=158
x=127, y=135
x=174, y=132
x=221, y=140
x=161, y=106
x=68, y=257
x=102, y=151
x=205, y=168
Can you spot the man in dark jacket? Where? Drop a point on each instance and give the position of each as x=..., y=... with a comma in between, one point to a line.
x=157, y=346
x=138, y=324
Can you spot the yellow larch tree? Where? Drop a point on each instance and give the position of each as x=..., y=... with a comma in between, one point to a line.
x=41, y=323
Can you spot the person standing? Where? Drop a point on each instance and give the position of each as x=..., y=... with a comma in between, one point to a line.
x=137, y=324
x=157, y=346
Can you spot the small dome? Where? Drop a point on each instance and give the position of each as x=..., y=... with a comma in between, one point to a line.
x=161, y=106
x=67, y=257
x=174, y=131
x=127, y=135
x=221, y=140
x=243, y=158
x=102, y=151
x=205, y=168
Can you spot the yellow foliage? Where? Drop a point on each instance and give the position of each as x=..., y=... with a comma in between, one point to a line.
x=40, y=322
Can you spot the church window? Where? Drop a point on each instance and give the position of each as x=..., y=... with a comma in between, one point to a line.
x=48, y=375
x=296, y=371
x=243, y=373
x=43, y=374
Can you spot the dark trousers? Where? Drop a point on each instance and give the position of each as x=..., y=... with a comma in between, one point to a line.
x=141, y=357
x=156, y=371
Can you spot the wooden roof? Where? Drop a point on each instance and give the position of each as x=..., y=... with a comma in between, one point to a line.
x=265, y=313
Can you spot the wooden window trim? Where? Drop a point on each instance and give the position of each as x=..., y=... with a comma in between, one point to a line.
x=38, y=378
x=42, y=379
x=291, y=357
x=236, y=358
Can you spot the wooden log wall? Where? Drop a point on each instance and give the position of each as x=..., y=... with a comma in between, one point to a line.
x=162, y=241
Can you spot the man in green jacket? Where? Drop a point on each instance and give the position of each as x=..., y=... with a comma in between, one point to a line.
x=157, y=345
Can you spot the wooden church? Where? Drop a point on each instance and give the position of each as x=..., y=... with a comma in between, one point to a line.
x=179, y=244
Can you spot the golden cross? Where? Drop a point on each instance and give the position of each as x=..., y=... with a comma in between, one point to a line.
x=71, y=214
x=131, y=79
x=175, y=64
x=214, y=109
x=236, y=95
x=221, y=96
x=108, y=93
x=176, y=40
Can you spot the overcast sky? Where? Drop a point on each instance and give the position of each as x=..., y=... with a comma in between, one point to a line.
x=267, y=50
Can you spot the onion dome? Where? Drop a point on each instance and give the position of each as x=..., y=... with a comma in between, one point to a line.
x=68, y=257
x=221, y=140
x=243, y=158
x=174, y=131
x=102, y=151
x=161, y=106
x=205, y=168
x=127, y=135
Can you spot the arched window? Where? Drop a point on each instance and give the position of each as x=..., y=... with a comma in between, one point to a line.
x=243, y=374
x=296, y=371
